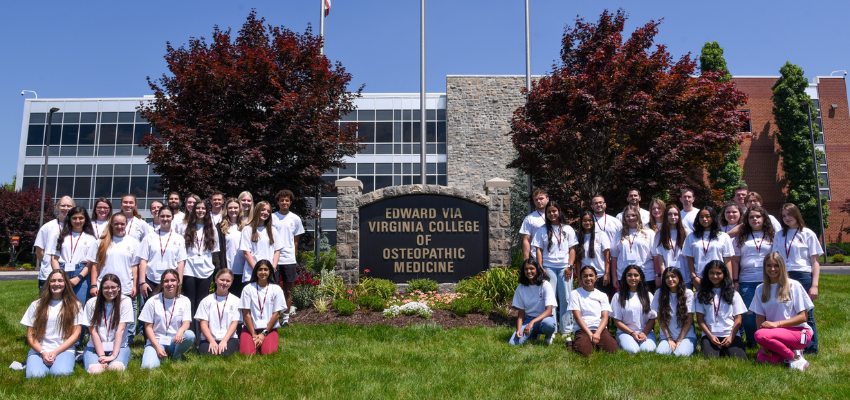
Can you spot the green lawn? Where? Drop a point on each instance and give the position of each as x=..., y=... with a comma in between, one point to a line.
x=425, y=361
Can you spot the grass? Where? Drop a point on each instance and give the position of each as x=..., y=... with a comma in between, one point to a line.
x=425, y=361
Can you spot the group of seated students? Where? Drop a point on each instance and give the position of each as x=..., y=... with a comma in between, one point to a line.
x=740, y=272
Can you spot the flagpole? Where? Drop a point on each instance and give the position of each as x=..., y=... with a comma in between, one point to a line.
x=422, y=141
x=322, y=25
x=528, y=79
x=318, y=230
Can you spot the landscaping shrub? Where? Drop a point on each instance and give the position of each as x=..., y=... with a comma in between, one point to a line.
x=838, y=258
x=423, y=285
x=368, y=286
x=496, y=285
x=466, y=305
x=372, y=302
x=331, y=285
x=321, y=304
x=303, y=296
x=344, y=306
x=413, y=308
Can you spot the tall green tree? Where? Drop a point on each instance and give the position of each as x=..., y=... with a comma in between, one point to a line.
x=729, y=174
x=791, y=107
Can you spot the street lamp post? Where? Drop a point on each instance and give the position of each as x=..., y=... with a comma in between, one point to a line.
x=46, y=155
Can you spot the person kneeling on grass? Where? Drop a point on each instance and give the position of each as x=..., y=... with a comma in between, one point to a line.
x=534, y=298
x=167, y=316
x=590, y=310
x=674, y=305
x=781, y=305
x=218, y=328
x=261, y=304
x=632, y=313
x=719, y=309
x=108, y=315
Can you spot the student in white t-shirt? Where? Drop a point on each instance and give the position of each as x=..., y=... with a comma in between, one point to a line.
x=719, y=308
x=174, y=202
x=180, y=220
x=100, y=216
x=632, y=313
x=219, y=316
x=656, y=214
x=605, y=223
x=674, y=307
x=46, y=238
x=633, y=199
x=667, y=249
x=163, y=249
x=555, y=246
x=108, y=315
x=781, y=305
x=590, y=310
x=633, y=247
x=69, y=250
x=593, y=249
x=534, y=221
x=258, y=240
x=754, y=199
x=688, y=213
x=154, y=208
x=217, y=213
x=730, y=217
x=534, y=300
x=707, y=243
x=246, y=201
x=136, y=226
x=201, y=240
x=751, y=247
x=53, y=326
x=234, y=258
x=288, y=229
x=166, y=315
x=261, y=303
x=801, y=251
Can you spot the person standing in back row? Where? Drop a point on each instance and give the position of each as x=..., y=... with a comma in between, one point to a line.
x=289, y=229
x=633, y=198
x=688, y=214
x=533, y=221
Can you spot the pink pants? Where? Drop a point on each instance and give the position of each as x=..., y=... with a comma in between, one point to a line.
x=246, y=343
x=782, y=342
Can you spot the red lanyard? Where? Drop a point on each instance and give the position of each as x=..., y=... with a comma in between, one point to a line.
x=787, y=247
x=96, y=229
x=224, y=305
x=558, y=237
x=167, y=241
x=539, y=214
x=130, y=224
x=199, y=242
x=164, y=311
x=74, y=249
x=758, y=244
x=632, y=241
x=263, y=303
x=604, y=222
x=706, y=245
x=716, y=307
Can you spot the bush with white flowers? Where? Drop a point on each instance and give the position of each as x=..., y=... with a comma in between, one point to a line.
x=412, y=308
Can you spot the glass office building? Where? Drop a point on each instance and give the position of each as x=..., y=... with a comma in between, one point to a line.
x=93, y=149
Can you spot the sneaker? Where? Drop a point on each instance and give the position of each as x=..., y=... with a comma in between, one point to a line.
x=799, y=365
x=285, y=324
x=569, y=342
x=550, y=339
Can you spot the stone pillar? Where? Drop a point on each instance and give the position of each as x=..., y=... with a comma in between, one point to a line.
x=348, y=228
x=499, y=192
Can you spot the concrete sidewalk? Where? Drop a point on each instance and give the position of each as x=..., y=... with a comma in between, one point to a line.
x=18, y=275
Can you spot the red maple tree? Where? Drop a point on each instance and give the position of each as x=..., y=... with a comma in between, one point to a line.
x=257, y=113
x=19, y=211
x=618, y=114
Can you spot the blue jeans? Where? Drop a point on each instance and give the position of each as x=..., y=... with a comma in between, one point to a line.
x=62, y=365
x=629, y=344
x=748, y=320
x=150, y=360
x=562, y=287
x=686, y=348
x=90, y=357
x=81, y=290
x=546, y=327
x=805, y=279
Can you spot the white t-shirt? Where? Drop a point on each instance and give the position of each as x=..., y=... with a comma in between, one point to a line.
x=120, y=259
x=752, y=254
x=797, y=249
x=235, y=257
x=107, y=335
x=720, y=315
x=673, y=326
x=99, y=227
x=216, y=218
x=219, y=312
x=591, y=305
x=74, y=249
x=644, y=216
x=600, y=244
x=704, y=250
x=532, y=223
x=287, y=228
x=260, y=250
x=688, y=218
x=610, y=226
x=162, y=251
x=136, y=228
x=46, y=239
x=672, y=257
x=153, y=227
x=775, y=222
x=534, y=299
x=727, y=228
x=199, y=262
x=558, y=254
x=178, y=219
x=263, y=302
x=636, y=248
x=632, y=315
x=774, y=310
x=166, y=315
x=53, y=338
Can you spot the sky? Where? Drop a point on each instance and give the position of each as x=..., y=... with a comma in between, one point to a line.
x=95, y=48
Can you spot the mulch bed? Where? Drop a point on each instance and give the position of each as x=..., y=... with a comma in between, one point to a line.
x=445, y=318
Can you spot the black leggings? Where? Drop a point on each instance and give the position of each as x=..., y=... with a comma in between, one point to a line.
x=232, y=347
x=196, y=289
x=711, y=350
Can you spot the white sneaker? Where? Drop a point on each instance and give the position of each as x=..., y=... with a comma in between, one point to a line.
x=550, y=339
x=799, y=365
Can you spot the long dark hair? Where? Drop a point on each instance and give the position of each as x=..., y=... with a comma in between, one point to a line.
x=706, y=291
x=66, y=228
x=591, y=244
x=209, y=229
x=256, y=222
x=747, y=230
x=664, y=235
x=100, y=304
x=665, y=312
x=715, y=224
x=562, y=220
x=794, y=212
x=267, y=263
x=538, y=279
x=642, y=291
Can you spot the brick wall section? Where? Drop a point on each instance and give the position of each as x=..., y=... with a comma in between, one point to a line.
x=836, y=128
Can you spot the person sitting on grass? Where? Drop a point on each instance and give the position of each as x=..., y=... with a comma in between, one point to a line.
x=167, y=315
x=781, y=305
x=108, y=315
x=53, y=324
x=590, y=310
x=719, y=309
x=534, y=299
x=261, y=303
x=632, y=313
x=674, y=305
x=218, y=328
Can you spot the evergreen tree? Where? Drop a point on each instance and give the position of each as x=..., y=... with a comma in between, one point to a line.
x=791, y=105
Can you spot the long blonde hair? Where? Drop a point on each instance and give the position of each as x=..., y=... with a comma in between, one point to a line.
x=225, y=220
x=106, y=240
x=256, y=223
x=246, y=219
x=625, y=232
x=783, y=288
x=70, y=307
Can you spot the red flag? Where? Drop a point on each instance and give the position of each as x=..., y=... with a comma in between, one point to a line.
x=327, y=7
